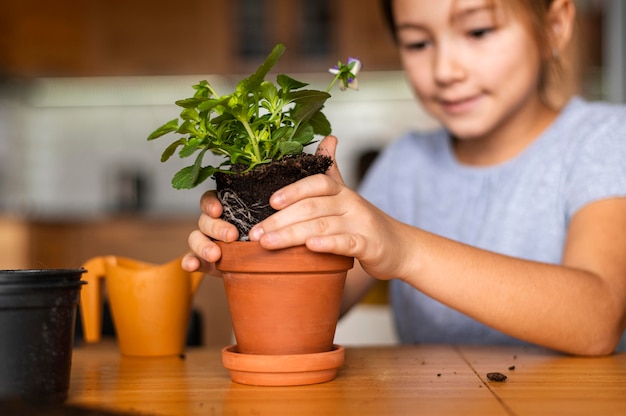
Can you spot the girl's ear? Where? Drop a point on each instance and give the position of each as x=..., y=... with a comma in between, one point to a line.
x=561, y=17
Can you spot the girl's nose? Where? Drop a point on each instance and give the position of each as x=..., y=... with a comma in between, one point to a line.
x=448, y=66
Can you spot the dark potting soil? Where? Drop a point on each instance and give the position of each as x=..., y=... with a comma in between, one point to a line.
x=245, y=196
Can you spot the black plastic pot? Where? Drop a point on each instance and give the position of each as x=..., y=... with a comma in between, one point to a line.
x=37, y=322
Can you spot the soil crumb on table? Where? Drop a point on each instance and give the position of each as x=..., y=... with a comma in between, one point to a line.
x=496, y=377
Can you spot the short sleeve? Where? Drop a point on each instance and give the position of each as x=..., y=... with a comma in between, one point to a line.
x=598, y=169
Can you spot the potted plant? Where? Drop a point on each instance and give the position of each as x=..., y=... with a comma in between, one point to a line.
x=261, y=129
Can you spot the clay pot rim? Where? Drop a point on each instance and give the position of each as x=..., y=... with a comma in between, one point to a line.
x=249, y=256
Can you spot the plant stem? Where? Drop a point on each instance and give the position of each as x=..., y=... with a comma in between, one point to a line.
x=253, y=140
x=212, y=91
x=333, y=82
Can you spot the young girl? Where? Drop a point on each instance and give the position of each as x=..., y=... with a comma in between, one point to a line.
x=508, y=225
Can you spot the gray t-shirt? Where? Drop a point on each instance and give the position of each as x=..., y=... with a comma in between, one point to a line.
x=520, y=208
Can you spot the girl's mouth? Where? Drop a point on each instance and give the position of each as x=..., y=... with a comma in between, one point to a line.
x=460, y=105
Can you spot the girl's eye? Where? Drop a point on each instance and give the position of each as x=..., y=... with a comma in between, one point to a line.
x=480, y=33
x=416, y=46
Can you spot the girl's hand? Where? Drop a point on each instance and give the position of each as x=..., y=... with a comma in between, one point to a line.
x=325, y=215
x=204, y=251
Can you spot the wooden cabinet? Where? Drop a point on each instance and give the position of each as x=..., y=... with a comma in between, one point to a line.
x=14, y=241
x=65, y=243
x=168, y=37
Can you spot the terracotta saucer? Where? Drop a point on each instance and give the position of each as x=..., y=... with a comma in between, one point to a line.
x=282, y=370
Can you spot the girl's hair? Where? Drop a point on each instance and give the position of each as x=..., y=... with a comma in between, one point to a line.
x=535, y=13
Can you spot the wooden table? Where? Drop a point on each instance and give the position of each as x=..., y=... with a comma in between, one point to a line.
x=398, y=380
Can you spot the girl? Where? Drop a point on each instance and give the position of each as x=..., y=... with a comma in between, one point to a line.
x=508, y=225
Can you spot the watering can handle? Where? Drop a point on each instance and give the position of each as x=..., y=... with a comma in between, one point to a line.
x=91, y=300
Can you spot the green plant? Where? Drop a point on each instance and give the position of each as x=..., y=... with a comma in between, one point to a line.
x=257, y=123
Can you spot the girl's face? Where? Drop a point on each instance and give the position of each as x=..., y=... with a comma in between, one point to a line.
x=474, y=65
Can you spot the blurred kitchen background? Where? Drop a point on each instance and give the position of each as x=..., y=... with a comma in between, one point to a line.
x=83, y=83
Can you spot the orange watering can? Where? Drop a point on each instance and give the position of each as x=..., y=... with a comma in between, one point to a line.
x=150, y=304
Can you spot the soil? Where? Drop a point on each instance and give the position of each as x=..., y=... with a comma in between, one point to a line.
x=499, y=377
x=245, y=196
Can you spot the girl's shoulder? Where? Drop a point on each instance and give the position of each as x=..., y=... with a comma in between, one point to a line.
x=591, y=147
x=586, y=127
x=584, y=116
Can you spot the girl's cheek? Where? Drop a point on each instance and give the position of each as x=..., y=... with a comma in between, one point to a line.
x=418, y=70
x=421, y=84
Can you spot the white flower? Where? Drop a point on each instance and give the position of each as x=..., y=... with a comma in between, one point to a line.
x=347, y=73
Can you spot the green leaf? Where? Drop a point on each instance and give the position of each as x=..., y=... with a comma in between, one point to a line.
x=237, y=156
x=168, y=127
x=269, y=91
x=190, y=114
x=205, y=173
x=190, y=102
x=320, y=124
x=309, y=96
x=183, y=179
x=253, y=81
x=281, y=132
x=202, y=89
x=197, y=166
x=222, y=120
x=287, y=83
x=290, y=148
x=188, y=127
x=171, y=149
x=302, y=112
x=304, y=135
x=263, y=136
x=308, y=104
x=189, y=148
x=211, y=103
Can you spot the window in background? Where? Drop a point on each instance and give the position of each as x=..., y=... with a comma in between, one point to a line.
x=305, y=25
x=252, y=28
x=316, y=28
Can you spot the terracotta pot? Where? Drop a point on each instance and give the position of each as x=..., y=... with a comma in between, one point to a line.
x=282, y=301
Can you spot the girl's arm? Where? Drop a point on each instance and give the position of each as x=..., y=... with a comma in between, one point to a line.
x=577, y=307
